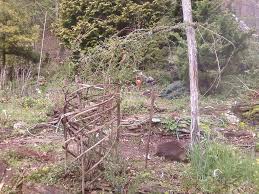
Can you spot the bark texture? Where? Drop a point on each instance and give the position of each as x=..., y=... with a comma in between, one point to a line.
x=193, y=69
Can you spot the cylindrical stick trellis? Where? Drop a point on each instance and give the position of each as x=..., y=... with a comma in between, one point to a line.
x=91, y=122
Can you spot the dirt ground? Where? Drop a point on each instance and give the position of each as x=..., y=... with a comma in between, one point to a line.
x=21, y=156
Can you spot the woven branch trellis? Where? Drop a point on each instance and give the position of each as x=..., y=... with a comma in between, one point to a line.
x=91, y=122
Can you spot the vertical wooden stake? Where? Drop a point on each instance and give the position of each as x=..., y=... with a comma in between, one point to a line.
x=118, y=114
x=42, y=46
x=82, y=165
x=57, y=8
x=193, y=70
x=66, y=147
x=150, y=124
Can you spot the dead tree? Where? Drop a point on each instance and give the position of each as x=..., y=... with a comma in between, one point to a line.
x=193, y=70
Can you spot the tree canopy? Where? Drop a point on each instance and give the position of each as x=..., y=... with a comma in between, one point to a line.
x=17, y=33
x=95, y=20
x=85, y=24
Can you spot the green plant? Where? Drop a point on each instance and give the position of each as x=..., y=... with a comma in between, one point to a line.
x=13, y=158
x=220, y=43
x=172, y=125
x=135, y=183
x=118, y=175
x=133, y=104
x=162, y=76
x=29, y=110
x=47, y=174
x=257, y=147
x=17, y=35
x=32, y=102
x=95, y=20
x=220, y=168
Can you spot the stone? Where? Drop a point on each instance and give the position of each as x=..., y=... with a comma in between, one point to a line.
x=20, y=125
x=231, y=118
x=174, y=90
x=156, y=120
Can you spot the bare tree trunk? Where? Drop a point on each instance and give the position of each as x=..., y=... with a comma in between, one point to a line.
x=193, y=70
x=42, y=45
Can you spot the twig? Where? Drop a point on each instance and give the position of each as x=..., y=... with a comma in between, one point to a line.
x=249, y=89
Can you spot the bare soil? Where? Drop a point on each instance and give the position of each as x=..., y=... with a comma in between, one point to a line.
x=166, y=175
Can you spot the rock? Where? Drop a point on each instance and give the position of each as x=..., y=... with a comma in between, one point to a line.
x=156, y=120
x=20, y=125
x=173, y=150
x=30, y=188
x=231, y=118
x=174, y=90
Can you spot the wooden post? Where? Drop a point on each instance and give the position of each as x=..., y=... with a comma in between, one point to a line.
x=42, y=45
x=152, y=97
x=193, y=70
x=56, y=8
x=82, y=164
x=118, y=113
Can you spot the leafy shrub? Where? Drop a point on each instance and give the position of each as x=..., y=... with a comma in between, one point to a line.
x=30, y=102
x=220, y=168
x=96, y=20
x=172, y=125
x=162, y=76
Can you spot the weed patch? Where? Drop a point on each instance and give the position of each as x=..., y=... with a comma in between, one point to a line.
x=134, y=104
x=28, y=110
x=118, y=175
x=15, y=159
x=219, y=168
x=48, y=174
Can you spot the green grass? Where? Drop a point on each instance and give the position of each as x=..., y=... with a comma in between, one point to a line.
x=48, y=174
x=134, y=104
x=15, y=159
x=220, y=168
x=118, y=175
x=178, y=104
x=28, y=110
x=57, y=147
